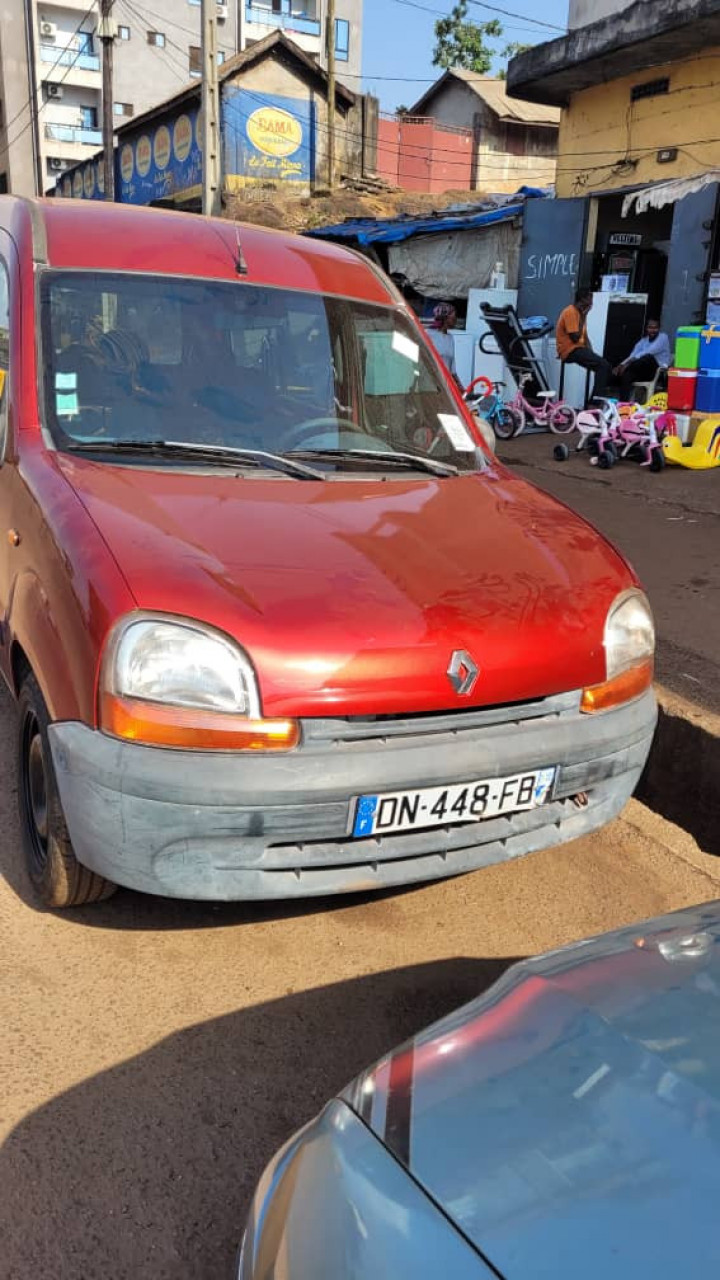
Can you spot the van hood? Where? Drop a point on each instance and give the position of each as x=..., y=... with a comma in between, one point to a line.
x=351, y=595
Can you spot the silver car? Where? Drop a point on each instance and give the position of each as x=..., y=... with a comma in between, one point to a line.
x=566, y=1126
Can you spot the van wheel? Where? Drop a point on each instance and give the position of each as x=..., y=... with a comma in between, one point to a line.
x=57, y=876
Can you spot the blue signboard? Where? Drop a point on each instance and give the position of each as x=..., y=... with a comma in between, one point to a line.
x=162, y=161
x=266, y=138
x=84, y=181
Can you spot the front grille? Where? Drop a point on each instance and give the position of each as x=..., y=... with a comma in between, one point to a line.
x=327, y=732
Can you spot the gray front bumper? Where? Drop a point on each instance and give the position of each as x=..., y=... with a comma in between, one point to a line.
x=229, y=826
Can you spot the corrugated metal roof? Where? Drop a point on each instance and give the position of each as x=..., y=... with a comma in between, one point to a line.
x=493, y=93
x=366, y=231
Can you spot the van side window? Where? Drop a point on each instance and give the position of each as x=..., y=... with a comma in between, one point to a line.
x=4, y=353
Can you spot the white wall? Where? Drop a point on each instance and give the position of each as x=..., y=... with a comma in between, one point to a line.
x=583, y=12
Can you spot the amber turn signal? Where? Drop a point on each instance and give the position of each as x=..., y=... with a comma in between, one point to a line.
x=623, y=688
x=157, y=725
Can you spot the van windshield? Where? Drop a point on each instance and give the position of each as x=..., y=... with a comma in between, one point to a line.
x=240, y=366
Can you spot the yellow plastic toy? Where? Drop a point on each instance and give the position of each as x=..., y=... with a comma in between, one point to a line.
x=658, y=401
x=702, y=454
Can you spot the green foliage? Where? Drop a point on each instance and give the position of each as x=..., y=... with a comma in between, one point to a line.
x=459, y=43
x=510, y=50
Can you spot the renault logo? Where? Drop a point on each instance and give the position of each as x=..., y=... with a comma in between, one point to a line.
x=462, y=672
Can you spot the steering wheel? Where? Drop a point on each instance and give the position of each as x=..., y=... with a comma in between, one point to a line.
x=305, y=431
x=485, y=383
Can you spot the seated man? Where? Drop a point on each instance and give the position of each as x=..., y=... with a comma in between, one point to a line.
x=647, y=356
x=573, y=344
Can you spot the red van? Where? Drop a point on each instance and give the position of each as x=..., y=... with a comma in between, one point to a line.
x=276, y=623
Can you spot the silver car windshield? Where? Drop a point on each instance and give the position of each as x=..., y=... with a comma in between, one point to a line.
x=242, y=366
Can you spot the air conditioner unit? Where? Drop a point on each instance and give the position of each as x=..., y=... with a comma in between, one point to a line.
x=55, y=91
x=57, y=164
x=48, y=30
x=222, y=6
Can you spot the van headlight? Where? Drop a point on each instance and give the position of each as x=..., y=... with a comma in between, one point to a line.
x=629, y=643
x=629, y=634
x=175, y=682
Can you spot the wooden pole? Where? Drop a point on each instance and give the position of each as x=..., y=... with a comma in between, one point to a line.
x=331, y=92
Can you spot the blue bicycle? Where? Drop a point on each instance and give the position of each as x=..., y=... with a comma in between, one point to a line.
x=485, y=400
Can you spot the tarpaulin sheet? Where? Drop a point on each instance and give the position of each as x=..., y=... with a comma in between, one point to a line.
x=664, y=193
x=394, y=230
x=439, y=266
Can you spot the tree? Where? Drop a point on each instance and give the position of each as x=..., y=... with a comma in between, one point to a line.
x=510, y=50
x=459, y=43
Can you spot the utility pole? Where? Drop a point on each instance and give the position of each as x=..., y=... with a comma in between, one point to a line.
x=211, y=193
x=107, y=32
x=34, y=100
x=331, y=92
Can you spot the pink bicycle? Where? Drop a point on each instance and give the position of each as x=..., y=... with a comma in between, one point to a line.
x=554, y=414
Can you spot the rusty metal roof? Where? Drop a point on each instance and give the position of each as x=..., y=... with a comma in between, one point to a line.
x=493, y=93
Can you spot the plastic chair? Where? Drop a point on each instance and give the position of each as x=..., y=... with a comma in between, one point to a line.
x=644, y=391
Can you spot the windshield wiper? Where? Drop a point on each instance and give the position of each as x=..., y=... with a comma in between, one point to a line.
x=220, y=454
x=416, y=461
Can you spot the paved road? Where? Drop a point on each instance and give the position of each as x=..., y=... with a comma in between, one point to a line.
x=154, y=1054
x=668, y=525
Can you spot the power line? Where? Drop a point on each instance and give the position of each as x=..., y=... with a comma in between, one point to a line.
x=535, y=22
x=440, y=13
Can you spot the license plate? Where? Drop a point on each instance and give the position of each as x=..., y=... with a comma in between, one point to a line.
x=446, y=806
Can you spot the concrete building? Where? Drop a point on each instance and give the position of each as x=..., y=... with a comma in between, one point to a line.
x=514, y=143
x=638, y=166
x=50, y=55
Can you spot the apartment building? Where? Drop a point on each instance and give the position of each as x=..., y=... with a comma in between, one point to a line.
x=50, y=55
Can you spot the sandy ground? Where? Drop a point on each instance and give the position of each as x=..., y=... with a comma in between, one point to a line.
x=155, y=1054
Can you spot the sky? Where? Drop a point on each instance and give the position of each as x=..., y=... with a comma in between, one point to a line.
x=399, y=37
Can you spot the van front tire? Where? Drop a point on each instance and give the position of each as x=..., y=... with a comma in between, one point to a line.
x=55, y=873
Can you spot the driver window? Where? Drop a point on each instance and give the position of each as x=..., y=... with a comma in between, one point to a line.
x=4, y=353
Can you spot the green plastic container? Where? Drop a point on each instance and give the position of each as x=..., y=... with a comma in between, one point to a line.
x=687, y=347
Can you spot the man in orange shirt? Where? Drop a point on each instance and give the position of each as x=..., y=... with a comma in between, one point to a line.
x=573, y=344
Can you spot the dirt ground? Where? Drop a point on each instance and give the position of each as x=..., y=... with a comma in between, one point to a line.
x=155, y=1054
x=668, y=526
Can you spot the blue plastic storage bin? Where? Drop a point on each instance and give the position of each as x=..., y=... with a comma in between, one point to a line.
x=707, y=397
x=710, y=349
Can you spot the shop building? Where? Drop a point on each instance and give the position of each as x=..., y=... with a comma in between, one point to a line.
x=638, y=161
x=274, y=115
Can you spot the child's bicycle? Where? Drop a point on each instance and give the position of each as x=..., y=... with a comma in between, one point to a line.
x=484, y=399
x=558, y=416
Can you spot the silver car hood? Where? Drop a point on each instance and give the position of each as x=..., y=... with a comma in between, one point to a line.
x=335, y=1205
x=568, y=1122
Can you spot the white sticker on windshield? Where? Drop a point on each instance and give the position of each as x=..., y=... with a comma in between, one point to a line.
x=66, y=403
x=65, y=381
x=405, y=347
x=459, y=435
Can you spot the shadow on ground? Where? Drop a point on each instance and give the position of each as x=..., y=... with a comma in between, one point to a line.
x=145, y=1172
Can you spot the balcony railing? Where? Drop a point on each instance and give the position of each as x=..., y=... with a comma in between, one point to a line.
x=288, y=21
x=69, y=58
x=72, y=133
